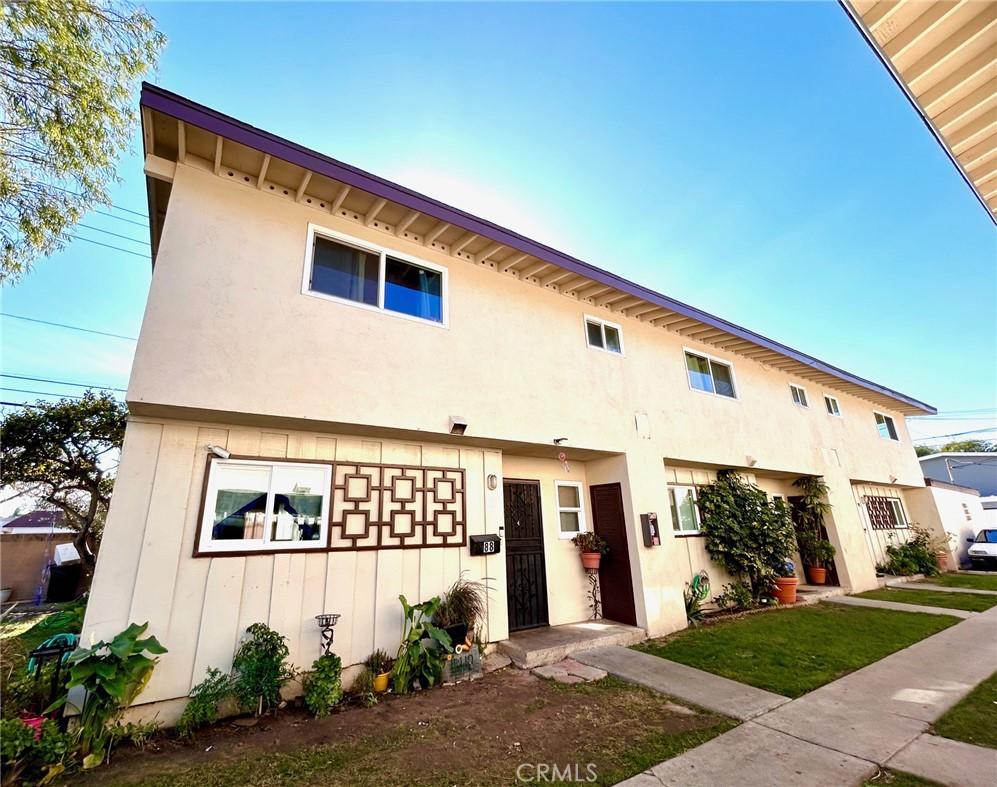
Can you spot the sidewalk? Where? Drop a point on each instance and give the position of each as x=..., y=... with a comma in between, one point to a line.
x=854, y=601
x=843, y=732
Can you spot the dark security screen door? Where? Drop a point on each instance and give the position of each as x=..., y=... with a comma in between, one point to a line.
x=615, y=583
x=524, y=556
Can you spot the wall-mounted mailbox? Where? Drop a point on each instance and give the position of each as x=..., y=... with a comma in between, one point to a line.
x=649, y=524
x=485, y=545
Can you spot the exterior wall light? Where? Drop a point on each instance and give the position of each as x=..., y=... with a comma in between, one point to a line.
x=492, y=481
x=457, y=425
x=218, y=451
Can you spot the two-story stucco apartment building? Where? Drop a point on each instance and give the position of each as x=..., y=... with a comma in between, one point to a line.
x=339, y=381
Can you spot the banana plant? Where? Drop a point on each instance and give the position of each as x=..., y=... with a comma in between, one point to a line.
x=420, y=655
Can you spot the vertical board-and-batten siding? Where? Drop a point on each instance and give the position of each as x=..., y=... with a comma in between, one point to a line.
x=200, y=607
x=879, y=540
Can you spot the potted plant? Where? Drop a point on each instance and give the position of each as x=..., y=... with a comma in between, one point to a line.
x=461, y=609
x=785, y=583
x=592, y=548
x=379, y=665
x=815, y=553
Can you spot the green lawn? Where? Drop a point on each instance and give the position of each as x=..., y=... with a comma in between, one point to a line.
x=974, y=720
x=794, y=651
x=933, y=598
x=974, y=581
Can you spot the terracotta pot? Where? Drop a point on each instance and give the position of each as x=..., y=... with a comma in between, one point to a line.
x=785, y=589
x=381, y=682
x=590, y=560
x=816, y=575
x=943, y=560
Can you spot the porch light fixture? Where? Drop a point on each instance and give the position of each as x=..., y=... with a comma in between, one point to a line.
x=893, y=479
x=751, y=460
x=326, y=624
x=492, y=481
x=457, y=425
x=218, y=451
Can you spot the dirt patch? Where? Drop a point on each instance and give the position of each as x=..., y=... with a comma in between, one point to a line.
x=477, y=733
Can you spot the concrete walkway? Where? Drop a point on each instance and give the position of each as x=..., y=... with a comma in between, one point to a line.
x=942, y=588
x=685, y=683
x=842, y=733
x=854, y=601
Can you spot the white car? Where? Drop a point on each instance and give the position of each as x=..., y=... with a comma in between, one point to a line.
x=983, y=550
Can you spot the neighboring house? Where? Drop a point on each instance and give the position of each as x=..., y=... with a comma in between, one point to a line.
x=977, y=470
x=27, y=547
x=954, y=509
x=340, y=382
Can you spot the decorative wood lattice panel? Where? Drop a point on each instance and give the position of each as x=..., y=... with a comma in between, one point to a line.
x=882, y=515
x=377, y=506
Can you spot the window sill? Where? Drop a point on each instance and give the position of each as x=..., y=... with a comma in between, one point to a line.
x=688, y=534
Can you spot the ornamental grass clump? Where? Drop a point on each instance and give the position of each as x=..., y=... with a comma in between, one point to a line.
x=750, y=535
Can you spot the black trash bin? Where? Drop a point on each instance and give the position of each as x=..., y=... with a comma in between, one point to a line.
x=62, y=582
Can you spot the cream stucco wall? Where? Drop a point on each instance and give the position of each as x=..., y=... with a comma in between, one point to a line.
x=953, y=512
x=229, y=336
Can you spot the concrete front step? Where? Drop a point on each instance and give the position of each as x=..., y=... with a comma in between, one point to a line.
x=540, y=646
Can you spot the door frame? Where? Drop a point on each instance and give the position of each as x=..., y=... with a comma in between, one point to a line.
x=543, y=546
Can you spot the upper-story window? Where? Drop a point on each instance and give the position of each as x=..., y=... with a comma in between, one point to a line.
x=357, y=272
x=603, y=335
x=799, y=395
x=831, y=403
x=710, y=375
x=886, y=426
x=258, y=505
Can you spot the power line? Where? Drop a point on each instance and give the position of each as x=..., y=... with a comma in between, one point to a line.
x=115, y=234
x=109, y=246
x=121, y=218
x=117, y=207
x=958, y=434
x=19, y=404
x=68, y=327
x=61, y=382
x=39, y=393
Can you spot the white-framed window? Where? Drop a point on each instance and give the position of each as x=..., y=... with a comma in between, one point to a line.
x=831, y=403
x=347, y=270
x=603, y=335
x=886, y=427
x=799, y=395
x=570, y=508
x=710, y=375
x=260, y=505
x=685, y=512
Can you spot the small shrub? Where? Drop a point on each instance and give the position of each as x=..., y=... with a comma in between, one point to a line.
x=420, y=655
x=917, y=556
x=133, y=732
x=735, y=596
x=27, y=756
x=259, y=669
x=363, y=687
x=205, y=698
x=113, y=674
x=323, y=685
x=379, y=661
x=463, y=602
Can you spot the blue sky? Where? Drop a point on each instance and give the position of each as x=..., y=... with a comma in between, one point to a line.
x=752, y=159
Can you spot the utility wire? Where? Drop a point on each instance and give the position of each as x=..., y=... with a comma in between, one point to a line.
x=61, y=382
x=144, y=256
x=116, y=207
x=122, y=218
x=19, y=404
x=39, y=393
x=958, y=434
x=115, y=234
x=67, y=327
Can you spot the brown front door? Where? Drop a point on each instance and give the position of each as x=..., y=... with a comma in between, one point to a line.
x=526, y=573
x=615, y=582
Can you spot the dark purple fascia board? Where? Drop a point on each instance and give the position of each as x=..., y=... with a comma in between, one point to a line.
x=160, y=100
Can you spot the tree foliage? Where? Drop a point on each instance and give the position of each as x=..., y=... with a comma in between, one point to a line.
x=958, y=447
x=750, y=535
x=61, y=453
x=67, y=72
